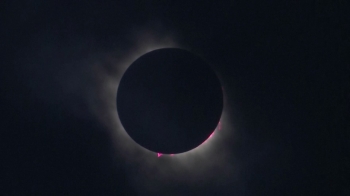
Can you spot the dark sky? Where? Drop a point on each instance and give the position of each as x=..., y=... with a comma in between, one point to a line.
x=284, y=66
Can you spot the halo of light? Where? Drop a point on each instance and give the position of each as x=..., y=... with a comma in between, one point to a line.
x=200, y=161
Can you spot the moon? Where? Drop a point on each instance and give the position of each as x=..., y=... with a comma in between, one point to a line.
x=169, y=101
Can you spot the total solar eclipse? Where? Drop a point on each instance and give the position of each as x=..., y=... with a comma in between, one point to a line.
x=169, y=101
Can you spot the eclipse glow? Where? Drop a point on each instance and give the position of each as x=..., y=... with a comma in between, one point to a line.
x=153, y=167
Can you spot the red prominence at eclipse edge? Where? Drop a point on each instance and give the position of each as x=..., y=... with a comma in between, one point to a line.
x=211, y=135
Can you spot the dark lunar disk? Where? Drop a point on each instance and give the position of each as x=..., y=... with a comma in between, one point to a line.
x=169, y=101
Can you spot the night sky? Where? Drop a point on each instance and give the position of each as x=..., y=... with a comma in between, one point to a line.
x=284, y=68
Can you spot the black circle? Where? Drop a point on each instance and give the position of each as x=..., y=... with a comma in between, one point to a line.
x=169, y=101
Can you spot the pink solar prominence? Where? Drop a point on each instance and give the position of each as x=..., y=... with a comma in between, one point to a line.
x=211, y=135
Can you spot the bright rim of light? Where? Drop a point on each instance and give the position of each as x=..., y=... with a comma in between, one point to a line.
x=209, y=155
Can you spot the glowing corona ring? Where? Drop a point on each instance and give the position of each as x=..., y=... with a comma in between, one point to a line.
x=210, y=155
x=146, y=47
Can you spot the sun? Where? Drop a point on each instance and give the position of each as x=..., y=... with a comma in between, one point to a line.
x=209, y=154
